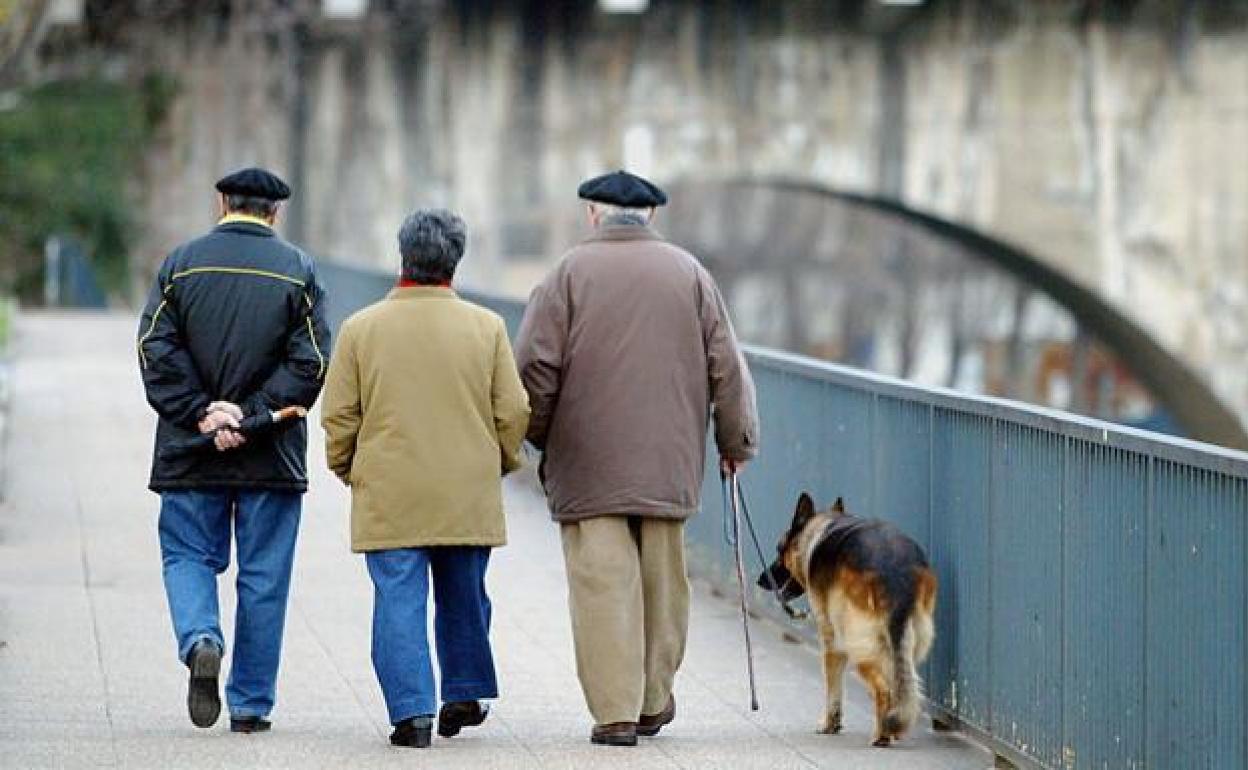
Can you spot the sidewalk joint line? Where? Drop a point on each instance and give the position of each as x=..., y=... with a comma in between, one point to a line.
x=355, y=696
x=527, y=749
x=85, y=561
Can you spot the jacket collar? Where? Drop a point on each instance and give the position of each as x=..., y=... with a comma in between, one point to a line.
x=236, y=217
x=241, y=223
x=422, y=292
x=624, y=233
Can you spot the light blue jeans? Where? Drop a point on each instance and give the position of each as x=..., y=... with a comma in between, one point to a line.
x=195, y=548
x=461, y=627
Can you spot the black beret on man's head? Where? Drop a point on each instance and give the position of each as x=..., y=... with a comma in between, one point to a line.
x=254, y=182
x=621, y=188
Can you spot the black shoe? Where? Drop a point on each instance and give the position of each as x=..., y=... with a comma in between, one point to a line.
x=249, y=725
x=414, y=732
x=203, y=696
x=460, y=714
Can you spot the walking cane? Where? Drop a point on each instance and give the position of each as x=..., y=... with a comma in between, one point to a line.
x=745, y=611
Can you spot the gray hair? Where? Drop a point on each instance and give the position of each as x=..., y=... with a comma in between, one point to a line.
x=431, y=242
x=612, y=214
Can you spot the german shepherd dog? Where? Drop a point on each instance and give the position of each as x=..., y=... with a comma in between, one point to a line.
x=873, y=595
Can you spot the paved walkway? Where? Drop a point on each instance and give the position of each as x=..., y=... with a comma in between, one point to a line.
x=88, y=675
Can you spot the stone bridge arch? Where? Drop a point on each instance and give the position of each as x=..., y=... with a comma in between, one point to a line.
x=744, y=226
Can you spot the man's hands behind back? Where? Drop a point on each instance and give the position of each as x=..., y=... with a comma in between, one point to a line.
x=222, y=416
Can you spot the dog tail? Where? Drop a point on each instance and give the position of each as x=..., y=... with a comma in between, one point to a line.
x=910, y=631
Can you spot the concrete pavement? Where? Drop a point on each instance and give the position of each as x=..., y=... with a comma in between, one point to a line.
x=89, y=677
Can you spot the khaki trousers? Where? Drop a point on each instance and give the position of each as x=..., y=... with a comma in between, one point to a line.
x=629, y=598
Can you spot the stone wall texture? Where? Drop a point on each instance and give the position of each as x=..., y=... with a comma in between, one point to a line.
x=1107, y=139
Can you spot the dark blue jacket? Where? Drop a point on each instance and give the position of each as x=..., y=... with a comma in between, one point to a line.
x=236, y=315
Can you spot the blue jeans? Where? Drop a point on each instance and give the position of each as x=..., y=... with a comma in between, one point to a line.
x=461, y=627
x=195, y=548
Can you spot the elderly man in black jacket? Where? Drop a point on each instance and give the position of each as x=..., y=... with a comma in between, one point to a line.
x=234, y=328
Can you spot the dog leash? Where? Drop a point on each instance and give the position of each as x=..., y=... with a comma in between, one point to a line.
x=731, y=481
x=758, y=548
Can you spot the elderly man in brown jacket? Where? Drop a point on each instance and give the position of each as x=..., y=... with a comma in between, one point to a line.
x=626, y=349
x=423, y=412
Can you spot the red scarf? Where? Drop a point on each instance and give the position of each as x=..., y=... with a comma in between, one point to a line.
x=405, y=283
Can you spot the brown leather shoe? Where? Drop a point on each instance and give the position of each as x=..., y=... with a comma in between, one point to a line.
x=615, y=734
x=650, y=724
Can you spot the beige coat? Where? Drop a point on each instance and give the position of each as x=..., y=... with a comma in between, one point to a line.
x=423, y=412
x=626, y=349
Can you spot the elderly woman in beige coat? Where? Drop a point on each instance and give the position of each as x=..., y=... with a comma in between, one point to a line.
x=423, y=412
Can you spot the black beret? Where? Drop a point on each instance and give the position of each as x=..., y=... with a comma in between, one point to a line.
x=255, y=182
x=622, y=189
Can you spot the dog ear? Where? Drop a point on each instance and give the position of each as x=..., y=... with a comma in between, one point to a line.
x=805, y=509
x=838, y=506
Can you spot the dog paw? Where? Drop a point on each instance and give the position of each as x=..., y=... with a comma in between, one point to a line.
x=831, y=724
x=881, y=742
x=893, y=728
